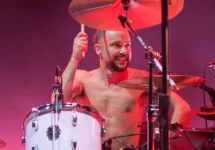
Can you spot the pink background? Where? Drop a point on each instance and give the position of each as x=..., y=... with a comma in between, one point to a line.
x=36, y=36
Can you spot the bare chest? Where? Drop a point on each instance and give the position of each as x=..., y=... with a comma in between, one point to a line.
x=112, y=98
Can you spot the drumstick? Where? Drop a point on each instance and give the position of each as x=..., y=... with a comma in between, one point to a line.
x=83, y=30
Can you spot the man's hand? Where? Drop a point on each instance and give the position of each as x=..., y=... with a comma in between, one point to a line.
x=80, y=45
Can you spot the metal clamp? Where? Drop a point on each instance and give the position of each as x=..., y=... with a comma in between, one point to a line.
x=34, y=147
x=23, y=140
x=34, y=121
x=35, y=124
x=74, y=115
x=74, y=144
x=74, y=119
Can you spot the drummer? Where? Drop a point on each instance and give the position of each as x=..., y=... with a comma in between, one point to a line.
x=123, y=108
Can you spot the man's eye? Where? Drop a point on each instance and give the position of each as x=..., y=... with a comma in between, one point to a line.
x=127, y=45
x=118, y=45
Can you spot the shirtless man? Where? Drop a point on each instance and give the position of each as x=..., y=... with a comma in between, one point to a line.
x=123, y=108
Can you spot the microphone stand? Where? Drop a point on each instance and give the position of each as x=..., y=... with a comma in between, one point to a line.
x=211, y=92
x=152, y=62
x=57, y=89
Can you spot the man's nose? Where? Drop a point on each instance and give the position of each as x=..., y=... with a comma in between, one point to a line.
x=124, y=50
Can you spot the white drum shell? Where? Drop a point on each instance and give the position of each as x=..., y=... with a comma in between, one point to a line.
x=86, y=132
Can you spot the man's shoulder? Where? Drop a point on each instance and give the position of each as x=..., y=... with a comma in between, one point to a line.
x=84, y=73
x=137, y=72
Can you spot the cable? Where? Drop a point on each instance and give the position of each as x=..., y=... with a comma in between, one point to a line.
x=141, y=147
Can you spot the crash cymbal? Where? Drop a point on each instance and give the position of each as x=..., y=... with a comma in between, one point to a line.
x=142, y=83
x=207, y=112
x=2, y=144
x=103, y=14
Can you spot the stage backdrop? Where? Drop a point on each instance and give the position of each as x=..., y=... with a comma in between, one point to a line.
x=36, y=36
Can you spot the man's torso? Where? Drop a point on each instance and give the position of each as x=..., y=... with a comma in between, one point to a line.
x=122, y=108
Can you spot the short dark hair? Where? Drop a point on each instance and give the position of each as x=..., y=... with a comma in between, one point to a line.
x=98, y=35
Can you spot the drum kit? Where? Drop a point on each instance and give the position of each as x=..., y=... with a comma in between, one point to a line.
x=71, y=126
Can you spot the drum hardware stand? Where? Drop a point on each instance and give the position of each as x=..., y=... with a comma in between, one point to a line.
x=153, y=61
x=58, y=99
x=156, y=122
x=211, y=92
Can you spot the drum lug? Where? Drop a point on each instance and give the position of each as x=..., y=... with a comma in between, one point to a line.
x=23, y=140
x=74, y=144
x=74, y=116
x=103, y=132
x=34, y=147
x=74, y=119
x=35, y=124
x=34, y=121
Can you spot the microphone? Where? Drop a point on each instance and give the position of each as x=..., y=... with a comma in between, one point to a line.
x=211, y=92
x=212, y=64
x=57, y=87
x=207, y=88
x=57, y=74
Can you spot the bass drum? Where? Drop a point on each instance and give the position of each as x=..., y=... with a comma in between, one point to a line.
x=76, y=127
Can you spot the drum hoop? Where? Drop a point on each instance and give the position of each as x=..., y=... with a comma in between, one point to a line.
x=67, y=105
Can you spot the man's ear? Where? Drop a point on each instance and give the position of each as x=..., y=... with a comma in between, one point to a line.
x=97, y=48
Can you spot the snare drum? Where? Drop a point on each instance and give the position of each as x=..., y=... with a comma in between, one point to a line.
x=77, y=128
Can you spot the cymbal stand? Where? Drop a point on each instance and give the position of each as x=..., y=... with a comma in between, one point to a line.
x=153, y=61
x=211, y=92
x=212, y=140
x=156, y=124
x=57, y=89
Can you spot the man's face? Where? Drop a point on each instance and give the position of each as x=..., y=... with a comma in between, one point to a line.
x=116, y=50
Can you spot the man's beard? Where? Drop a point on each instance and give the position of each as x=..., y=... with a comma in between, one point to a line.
x=112, y=65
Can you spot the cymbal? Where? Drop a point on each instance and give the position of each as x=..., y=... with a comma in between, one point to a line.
x=2, y=144
x=103, y=14
x=142, y=83
x=207, y=112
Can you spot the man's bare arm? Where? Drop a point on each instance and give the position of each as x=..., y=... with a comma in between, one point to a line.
x=181, y=109
x=71, y=84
